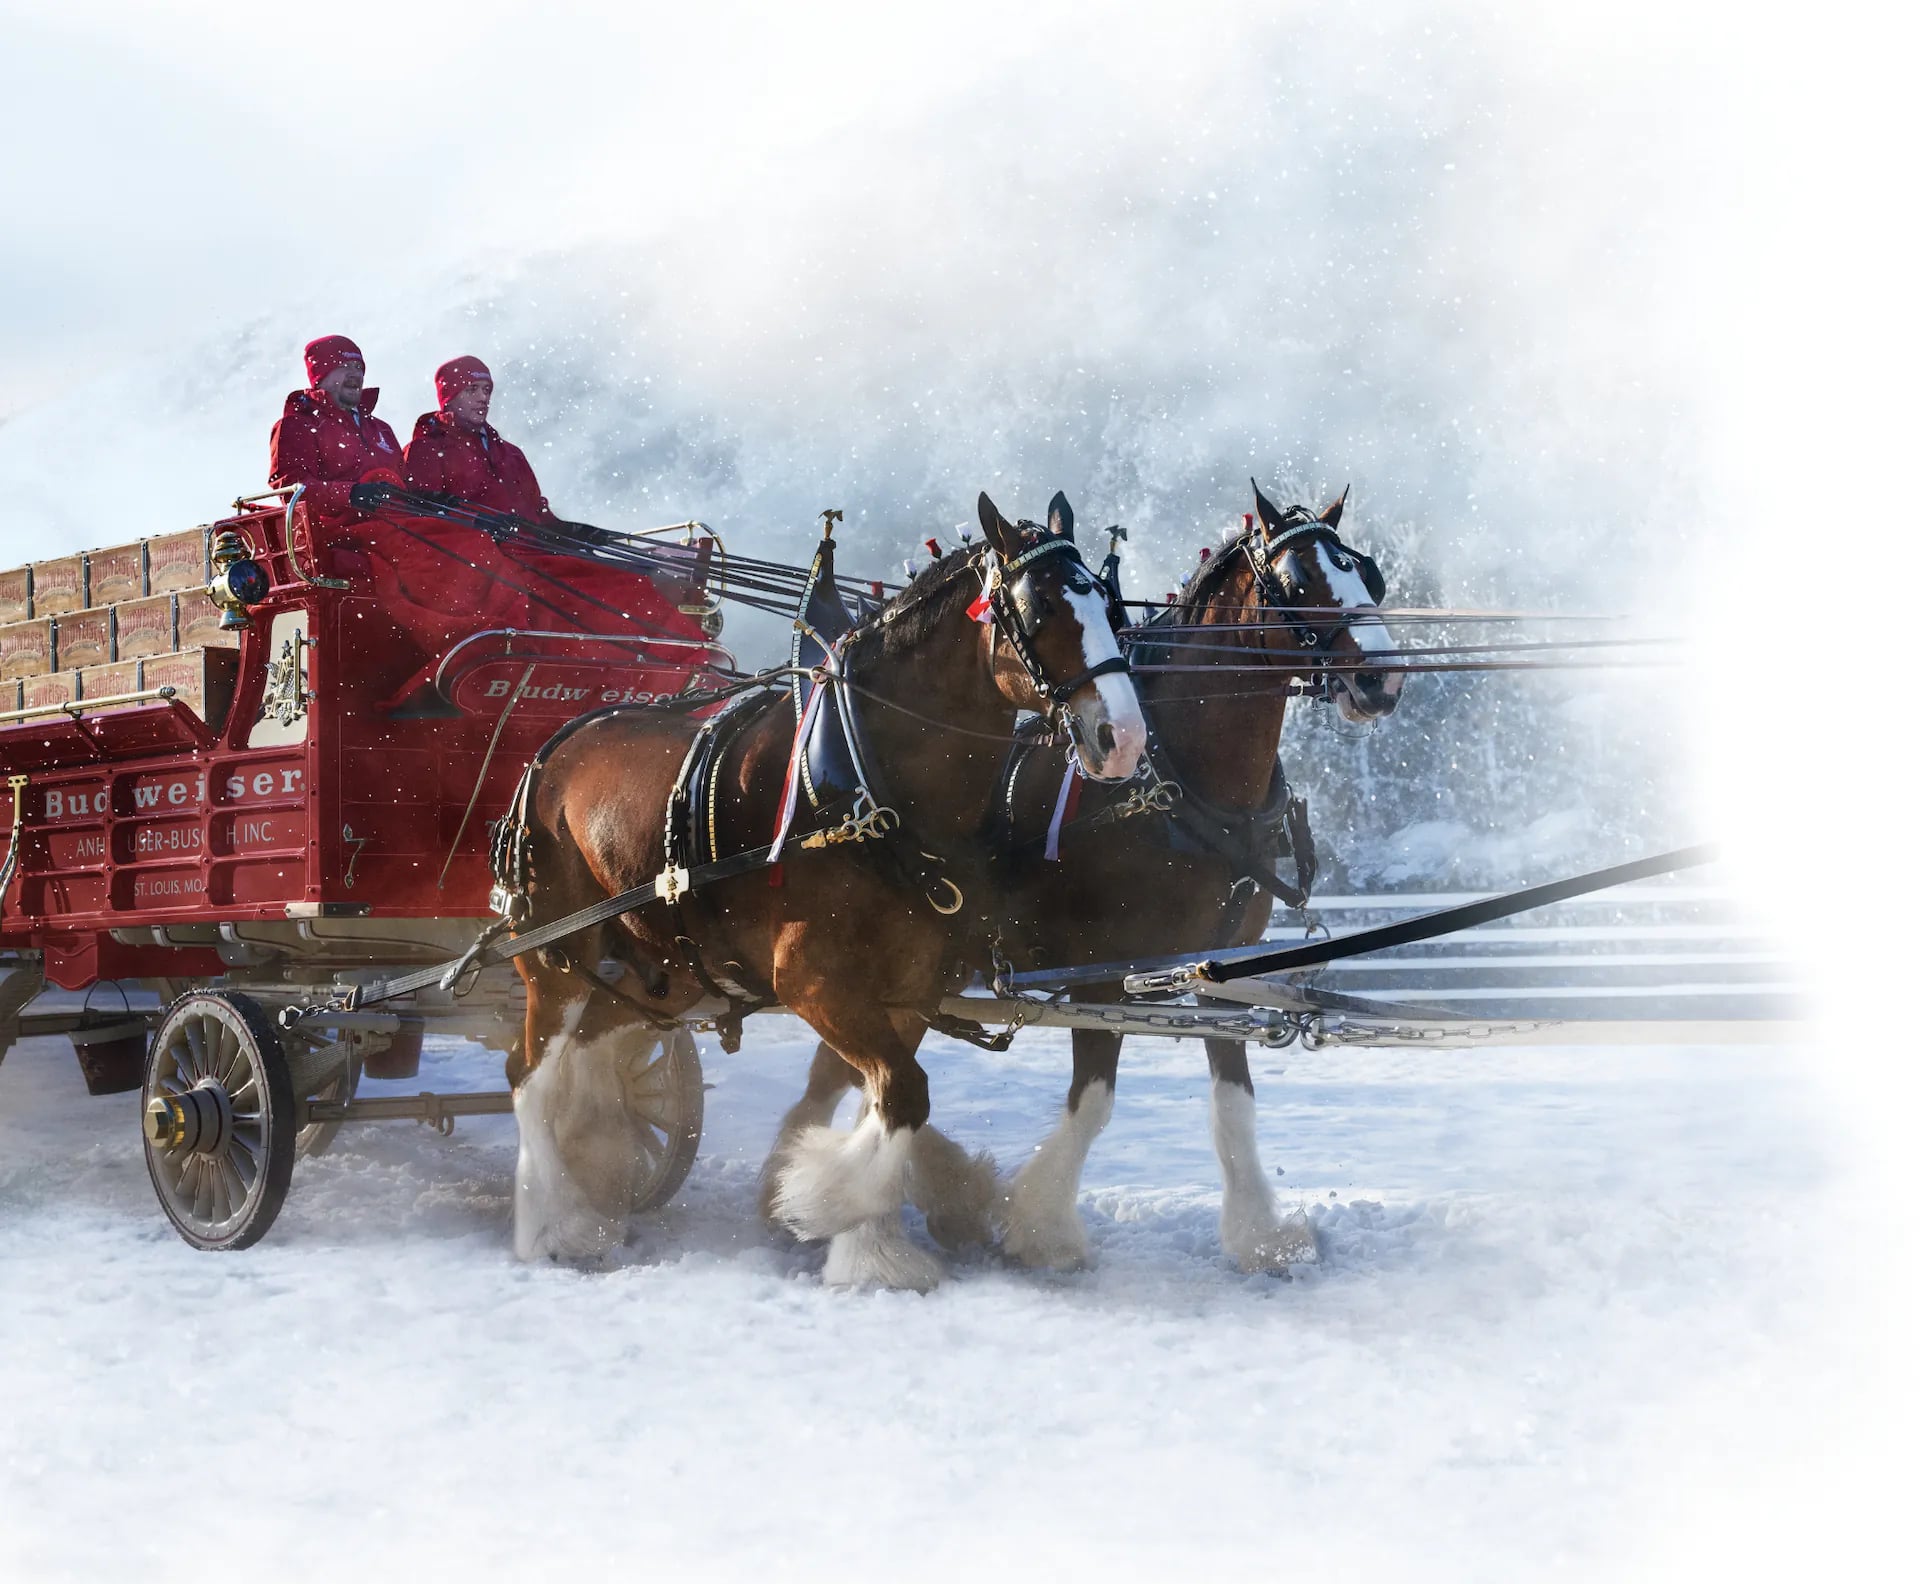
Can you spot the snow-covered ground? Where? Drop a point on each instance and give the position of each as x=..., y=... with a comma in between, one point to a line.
x=1554, y=1281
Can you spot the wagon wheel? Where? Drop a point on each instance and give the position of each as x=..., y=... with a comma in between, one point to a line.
x=218, y=1114
x=667, y=1100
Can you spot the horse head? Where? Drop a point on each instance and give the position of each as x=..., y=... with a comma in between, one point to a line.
x=1303, y=564
x=1053, y=645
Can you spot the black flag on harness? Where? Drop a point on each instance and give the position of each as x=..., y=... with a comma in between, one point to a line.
x=826, y=770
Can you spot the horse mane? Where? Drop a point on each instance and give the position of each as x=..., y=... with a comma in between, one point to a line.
x=1199, y=587
x=911, y=616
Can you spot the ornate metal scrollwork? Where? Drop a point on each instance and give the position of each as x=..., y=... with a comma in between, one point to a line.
x=285, y=697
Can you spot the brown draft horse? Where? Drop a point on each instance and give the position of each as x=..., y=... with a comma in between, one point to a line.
x=1133, y=888
x=835, y=934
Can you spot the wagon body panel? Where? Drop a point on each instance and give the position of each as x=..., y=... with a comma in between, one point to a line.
x=368, y=735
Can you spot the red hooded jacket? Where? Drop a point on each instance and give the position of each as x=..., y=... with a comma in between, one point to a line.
x=329, y=448
x=477, y=466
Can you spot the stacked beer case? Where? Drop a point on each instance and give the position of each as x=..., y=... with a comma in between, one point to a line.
x=107, y=628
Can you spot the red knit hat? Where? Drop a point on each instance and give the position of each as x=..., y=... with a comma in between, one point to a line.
x=455, y=375
x=329, y=353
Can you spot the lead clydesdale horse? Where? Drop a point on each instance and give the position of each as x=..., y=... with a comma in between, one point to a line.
x=846, y=935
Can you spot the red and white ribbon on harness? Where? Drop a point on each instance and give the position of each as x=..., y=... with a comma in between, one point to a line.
x=981, y=610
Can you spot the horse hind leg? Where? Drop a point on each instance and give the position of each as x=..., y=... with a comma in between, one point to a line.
x=955, y=1188
x=1252, y=1231
x=851, y=1187
x=1041, y=1208
x=573, y=1185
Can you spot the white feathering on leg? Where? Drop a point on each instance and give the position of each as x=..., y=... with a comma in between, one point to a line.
x=878, y=1253
x=1254, y=1234
x=955, y=1190
x=563, y=1108
x=832, y=1181
x=1042, y=1211
x=805, y=1114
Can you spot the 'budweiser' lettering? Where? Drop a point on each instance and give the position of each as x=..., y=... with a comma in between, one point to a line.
x=500, y=687
x=184, y=791
x=74, y=803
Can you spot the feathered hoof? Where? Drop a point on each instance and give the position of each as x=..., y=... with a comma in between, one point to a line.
x=955, y=1190
x=1040, y=1229
x=878, y=1253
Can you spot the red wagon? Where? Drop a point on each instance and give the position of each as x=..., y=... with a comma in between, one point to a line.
x=254, y=763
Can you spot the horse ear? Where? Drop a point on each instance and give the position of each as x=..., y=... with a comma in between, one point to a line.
x=1331, y=516
x=1000, y=533
x=1060, y=516
x=1269, y=516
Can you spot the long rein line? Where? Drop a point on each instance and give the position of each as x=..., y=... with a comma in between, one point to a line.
x=1403, y=652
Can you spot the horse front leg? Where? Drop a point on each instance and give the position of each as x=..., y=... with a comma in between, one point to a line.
x=828, y=1079
x=1043, y=1224
x=573, y=1183
x=850, y=1187
x=952, y=1187
x=1252, y=1230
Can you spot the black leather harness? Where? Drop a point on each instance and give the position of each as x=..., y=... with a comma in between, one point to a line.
x=857, y=813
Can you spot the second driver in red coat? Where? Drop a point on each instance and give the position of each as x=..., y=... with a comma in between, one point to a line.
x=455, y=451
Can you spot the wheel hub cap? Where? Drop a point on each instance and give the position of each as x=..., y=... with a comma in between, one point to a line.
x=199, y=1120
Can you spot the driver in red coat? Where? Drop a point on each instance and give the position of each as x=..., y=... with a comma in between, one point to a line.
x=455, y=451
x=327, y=437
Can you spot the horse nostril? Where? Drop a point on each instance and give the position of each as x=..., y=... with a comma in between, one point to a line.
x=1104, y=739
x=1371, y=682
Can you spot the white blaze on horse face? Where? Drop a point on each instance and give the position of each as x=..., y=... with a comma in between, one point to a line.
x=1115, y=704
x=1370, y=634
x=1350, y=592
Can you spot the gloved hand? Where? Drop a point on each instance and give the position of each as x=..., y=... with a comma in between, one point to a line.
x=369, y=496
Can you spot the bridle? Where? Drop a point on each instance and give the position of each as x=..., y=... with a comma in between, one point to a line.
x=1010, y=617
x=1265, y=549
x=1009, y=602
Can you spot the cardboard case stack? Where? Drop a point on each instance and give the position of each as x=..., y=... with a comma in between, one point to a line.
x=128, y=619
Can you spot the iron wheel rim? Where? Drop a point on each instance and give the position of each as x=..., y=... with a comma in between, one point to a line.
x=225, y=1196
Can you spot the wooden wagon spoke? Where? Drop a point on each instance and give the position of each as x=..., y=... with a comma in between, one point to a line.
x=196, y=1043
